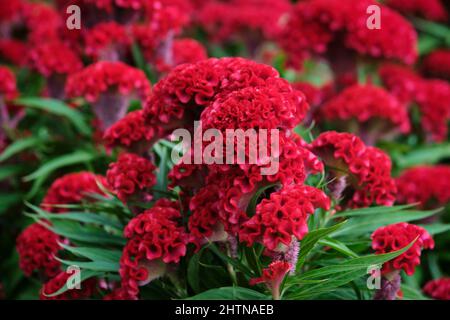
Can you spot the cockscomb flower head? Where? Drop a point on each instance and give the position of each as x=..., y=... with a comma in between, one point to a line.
x=37, y=247
x=12, y=51
x=107, y=41
x=434, y=105
x=438, y=289
x=377, y=112
x=437, y=64
x=242, y=18
x=359, y=174
x=429, y=9
x=109, y=87
x=55, y=61
x=273, y=277
x=42, y=22
x=401, y=81
x=155, y=239
x=72, y=188
x=87, y=288
x=131, y=176
x=132, y=133
x=184, y=50
x=397, y=236
x=427, y=185
x=283, y=217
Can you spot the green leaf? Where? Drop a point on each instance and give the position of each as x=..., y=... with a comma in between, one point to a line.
x=230, y=293
x=436, y=228
x=19, y=146
x=410, y=293
x=338, y=246
x=429, y=154
x=105, y=266
x=311, y=239
x=372, y=210
x=254, y=200
x=234, y=262
x=10, y=170
x=338, y=275
x=95, y=254
x=193, y=271
x=365, y=224
x=58, y=108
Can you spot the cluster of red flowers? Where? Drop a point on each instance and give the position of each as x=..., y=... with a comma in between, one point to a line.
x=365, y=171
x=427, y=185
x=87, y=288
x=429, y=9
x=155, y=239
x=72, y=189
x=438, y=289
x=437, y=63
x=313, y=26
x=37, y=247
x=397, y=236
x=372, y=107
x=131, y=175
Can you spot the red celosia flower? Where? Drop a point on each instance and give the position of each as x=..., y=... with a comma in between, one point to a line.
x=376, y=111
x=365, y=172
x=402, y=82
x=397, y=236
x=10, y=10
x=312, y=26
x=87, y=288
x=12, y=51
x=427, y=185
x=314, y=95
x=184, y=50
x=429, y=9
x=438, y=289
x=396, y=39
x=224, y=20
x=107, y=41
x=8, y=89
x=434, y=105
x=282, y=217
x=273, y=277
x=43, y=22
x=131, y=132
x=72, y=188
x=37, y=247
x=109, y=86
x=154, y=240
x=437, y=64
x=54, y=57
x=131, y=175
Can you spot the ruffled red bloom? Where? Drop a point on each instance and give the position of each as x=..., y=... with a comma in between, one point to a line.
x=438, y=289
x=104, y=76
x=273, y=276
x=429, y=9
x=37, y=247
x=131, y=175
x=8, y=89
x=54, y=57
x=397, y=236
x=396, y=39
x=437, y=64
x=42, y=22
x=192, y=87
x=10, y=10
x=427, y=185
x=154, y=240
x=314, y=95
x=109, y=86
x=12, y=51
x=434, y=105
x=184, y=50
x=376, y=111
x=131, y=132
x=224, y=20
x=402, y=82
x=87, y=288
x=366, y=171
x=72, y=188
x=107, y=41
x=312, y=26
x=282, y=217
